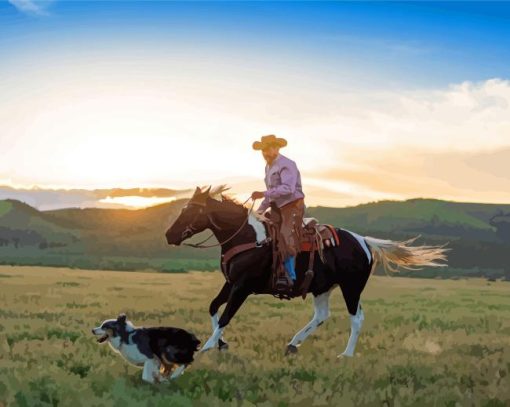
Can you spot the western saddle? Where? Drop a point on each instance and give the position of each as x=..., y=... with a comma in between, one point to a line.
x=315, y=238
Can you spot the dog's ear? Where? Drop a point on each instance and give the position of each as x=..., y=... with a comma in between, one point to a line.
x=121, y=318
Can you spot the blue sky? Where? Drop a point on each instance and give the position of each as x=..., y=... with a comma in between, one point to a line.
x=377, y=100
x=402, y=44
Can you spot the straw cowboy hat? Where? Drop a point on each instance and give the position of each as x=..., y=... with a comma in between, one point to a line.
x=267, y=141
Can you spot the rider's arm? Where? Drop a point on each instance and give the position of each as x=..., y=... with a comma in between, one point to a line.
x=288, y=177
x=263, y=205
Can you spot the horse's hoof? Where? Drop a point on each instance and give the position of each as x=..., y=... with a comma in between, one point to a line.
x=222, y=345
x=344, y=355
x=291, y=350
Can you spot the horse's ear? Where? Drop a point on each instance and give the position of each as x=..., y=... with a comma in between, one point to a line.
x=206, y=192
x=197, y=191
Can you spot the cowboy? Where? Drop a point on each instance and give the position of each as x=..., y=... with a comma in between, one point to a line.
x=284, y=193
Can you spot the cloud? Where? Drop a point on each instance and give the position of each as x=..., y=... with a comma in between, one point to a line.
x=449, y=143
x=351, y=146
x=32, y=7
x=463, y=117
x=458, y=176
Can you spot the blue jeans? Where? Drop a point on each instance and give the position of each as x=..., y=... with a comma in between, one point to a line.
x=290, y=265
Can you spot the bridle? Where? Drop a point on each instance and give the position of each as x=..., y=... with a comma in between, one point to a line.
x=191, y=229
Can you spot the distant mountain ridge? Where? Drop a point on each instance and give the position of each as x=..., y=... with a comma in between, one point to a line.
x=47, y=199
x=478, y=234
x=430, y=216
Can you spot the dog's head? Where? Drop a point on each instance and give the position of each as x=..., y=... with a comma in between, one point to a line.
x=111, y=328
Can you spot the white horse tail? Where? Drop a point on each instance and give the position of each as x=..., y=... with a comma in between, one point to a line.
x=402, y=254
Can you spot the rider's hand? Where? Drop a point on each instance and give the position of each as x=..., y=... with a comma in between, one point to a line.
x=257, y=195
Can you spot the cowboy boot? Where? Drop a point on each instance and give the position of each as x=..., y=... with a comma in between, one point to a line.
x=283, y=283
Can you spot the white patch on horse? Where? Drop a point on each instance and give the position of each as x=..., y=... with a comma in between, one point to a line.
x=363, y=244
x=356, y=324
x=214, y=321
x=321, y=307
x=258, y=227
x=213, y=340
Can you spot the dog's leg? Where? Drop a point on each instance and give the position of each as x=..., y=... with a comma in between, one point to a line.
x=151, y=372
x=148, y=371
x=156, y=373
x=177, y=372
x=166, y=367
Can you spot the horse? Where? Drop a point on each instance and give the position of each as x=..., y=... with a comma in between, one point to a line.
x=347, y=265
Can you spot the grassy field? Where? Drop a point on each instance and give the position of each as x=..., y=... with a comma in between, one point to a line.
x=424, y=342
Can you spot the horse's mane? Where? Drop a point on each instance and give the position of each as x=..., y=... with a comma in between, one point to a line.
x=218, y=193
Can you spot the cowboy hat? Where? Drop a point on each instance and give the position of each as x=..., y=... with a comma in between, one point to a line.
x=270, y=140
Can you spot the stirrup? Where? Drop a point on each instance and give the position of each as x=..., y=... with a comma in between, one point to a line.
x=284, y=284
x=283, y=296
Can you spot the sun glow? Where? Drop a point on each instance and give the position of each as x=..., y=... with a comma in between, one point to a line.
x=112, y=125
x=137, y=201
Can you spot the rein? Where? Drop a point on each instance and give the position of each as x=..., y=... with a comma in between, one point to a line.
x=200, y=245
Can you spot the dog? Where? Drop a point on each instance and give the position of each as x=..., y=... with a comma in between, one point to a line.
x=159, y=350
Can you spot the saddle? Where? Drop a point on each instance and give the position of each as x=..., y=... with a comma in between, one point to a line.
x=326, y=235
x=315, y=238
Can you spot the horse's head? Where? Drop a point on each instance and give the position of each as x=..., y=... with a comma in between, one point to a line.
x=192, y=219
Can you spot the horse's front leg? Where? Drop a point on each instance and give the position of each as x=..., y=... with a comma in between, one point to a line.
x=216, y=303
x=237, y=296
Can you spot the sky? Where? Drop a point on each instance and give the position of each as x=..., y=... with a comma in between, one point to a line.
x=376, y=100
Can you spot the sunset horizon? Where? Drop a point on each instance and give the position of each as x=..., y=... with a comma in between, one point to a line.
x=128, y=200
x=95, y=96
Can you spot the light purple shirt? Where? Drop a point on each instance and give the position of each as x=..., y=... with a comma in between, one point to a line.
x=283, y=183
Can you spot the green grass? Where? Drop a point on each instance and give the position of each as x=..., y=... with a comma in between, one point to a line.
x=5, y=207
x=423, y=343
x=36, y=257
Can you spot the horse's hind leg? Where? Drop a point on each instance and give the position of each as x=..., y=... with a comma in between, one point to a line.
x=352, y=284
x=321, y=308
x=356, y=323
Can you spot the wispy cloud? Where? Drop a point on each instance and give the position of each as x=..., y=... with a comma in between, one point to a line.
x=448, y=143
x=32, y=7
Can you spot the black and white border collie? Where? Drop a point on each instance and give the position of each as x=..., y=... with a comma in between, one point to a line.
x=159, y=350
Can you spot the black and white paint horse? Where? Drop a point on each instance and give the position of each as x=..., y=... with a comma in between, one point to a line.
x=348, y=265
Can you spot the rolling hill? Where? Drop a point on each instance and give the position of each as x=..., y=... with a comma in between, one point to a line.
x=134, y=239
